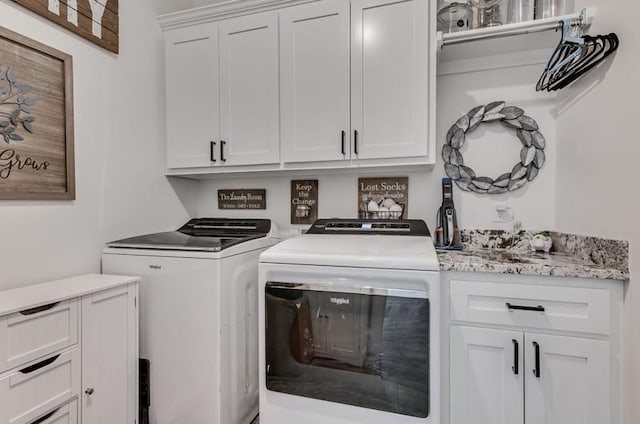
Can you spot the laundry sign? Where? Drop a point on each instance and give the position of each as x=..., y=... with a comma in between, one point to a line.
x=304, y=201
x=383, y=198
x=242, y=199
x=95, y=20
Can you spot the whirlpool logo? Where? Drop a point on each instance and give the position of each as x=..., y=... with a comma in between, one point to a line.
x=340, y=300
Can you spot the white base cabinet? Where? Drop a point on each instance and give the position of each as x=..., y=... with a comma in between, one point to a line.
x=486, y=376
x=110, y=356
x=567, y=380
x=83, y=336
x=533, y=350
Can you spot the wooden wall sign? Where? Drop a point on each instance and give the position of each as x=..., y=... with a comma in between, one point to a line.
x=242, y=199
x=383, y=198
x=36, y=120
x=95, y=20
x=304, y=201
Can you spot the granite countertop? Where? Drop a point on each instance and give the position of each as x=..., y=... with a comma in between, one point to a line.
x=572, y=256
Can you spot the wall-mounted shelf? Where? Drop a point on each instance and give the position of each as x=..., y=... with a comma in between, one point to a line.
x=581, y=19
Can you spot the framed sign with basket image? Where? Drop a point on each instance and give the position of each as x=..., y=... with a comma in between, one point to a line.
x=383, y=198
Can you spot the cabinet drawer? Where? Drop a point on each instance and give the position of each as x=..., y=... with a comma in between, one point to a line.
x=34, y=333
x=33, y=391
x=532, y=306
x=65, y=414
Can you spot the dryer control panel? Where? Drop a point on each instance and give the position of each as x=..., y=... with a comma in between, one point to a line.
x=400, y=227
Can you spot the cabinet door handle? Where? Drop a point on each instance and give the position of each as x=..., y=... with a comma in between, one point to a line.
x=511, y=307
x=212, y=151
x=515, y=368
x=536, y=370
x=39, y=309
x=46, y=417
x=41, y=364
x=355, y=142
x=89, y=391
x=222, y=143
x=344, y=134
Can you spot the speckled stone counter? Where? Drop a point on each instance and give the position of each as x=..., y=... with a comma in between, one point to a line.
x=509, y=253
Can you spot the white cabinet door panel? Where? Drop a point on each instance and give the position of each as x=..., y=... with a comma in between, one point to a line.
x=110, y=356
x=573, y=382
x=192, y=87
x=485, y=388
x=249, y=92
x=389, y=81
x=314, y=49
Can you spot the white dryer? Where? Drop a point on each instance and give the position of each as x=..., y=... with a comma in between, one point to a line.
x=350, y=325
x=198, y=316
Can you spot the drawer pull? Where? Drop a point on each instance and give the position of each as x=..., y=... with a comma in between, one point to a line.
x=343, y=134
x=515, y=366
x=41, y=364
x=39, y=309
x=538, y=308
x=536, y=370
x=45, y=417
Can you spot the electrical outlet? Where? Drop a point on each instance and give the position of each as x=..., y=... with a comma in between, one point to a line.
x=504, y=213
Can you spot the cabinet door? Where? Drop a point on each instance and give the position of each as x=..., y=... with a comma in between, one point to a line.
x=390, y=78
x=567, y=380
x=249, y=98
x=487, y=376
x=314, y=67
x=192, y=104
x=110, y=356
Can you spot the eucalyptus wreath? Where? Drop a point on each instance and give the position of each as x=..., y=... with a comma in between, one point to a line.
x=532, y=155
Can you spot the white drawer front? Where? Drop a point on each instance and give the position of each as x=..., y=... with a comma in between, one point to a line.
x=66, y=414
x=30, y=393
x=32, y=334
x=532, y=306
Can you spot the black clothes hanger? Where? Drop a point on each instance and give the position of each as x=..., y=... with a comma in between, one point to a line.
x=574, y=57
x=568, y=49
x=607, y=44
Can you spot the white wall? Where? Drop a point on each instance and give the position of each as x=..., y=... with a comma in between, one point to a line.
x=597, y=188
x=118, y=128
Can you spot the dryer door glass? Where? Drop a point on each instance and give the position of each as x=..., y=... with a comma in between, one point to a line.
x=367, y=350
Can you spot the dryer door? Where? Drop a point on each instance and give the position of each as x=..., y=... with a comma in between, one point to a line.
x=357, y=346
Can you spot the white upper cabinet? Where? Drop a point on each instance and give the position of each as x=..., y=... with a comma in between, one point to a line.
x=314, y=74
x=192, y=103
x=249, y=97
x=323, y=84
x=390, y=78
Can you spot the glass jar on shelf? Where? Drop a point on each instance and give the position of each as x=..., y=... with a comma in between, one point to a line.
x=454, y=16
x=489, y=13
x=520, y=11
x=552, y=8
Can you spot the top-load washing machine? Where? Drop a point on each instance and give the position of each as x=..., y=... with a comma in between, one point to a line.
x=198, y=316
x=349, y=325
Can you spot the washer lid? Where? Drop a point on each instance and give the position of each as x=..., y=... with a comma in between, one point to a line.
x=356, y=251
x=201, y=234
